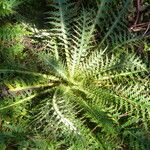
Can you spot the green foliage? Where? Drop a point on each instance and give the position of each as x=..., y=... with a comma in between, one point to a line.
x=84, y=92
x=7, y=7
x=11, y=33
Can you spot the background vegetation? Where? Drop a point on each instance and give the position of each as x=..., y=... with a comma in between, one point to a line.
x=74, y=74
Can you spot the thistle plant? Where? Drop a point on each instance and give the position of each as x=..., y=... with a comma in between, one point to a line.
x=81, y=92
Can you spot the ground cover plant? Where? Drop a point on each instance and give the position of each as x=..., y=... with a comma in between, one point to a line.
x=73, y=80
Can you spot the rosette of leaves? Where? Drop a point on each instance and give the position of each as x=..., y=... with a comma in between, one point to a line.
x=85, y=97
